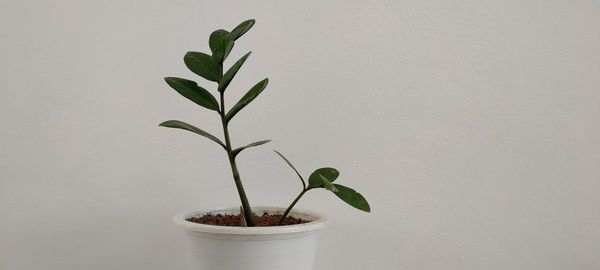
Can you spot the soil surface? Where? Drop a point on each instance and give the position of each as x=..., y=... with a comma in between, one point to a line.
x=237, y=220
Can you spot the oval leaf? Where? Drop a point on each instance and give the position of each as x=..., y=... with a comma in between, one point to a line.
x=193, y=92
x=203, y=65
x=247, y=98
x=353, y=198
x=330, y=174
x=188, y=127
x=241, y=29
x=238, y=150
x=220, y=44
x=228, y=76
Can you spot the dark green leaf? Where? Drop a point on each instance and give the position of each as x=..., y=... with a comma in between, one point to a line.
x=351, y=197
x=193, y=92
x=231, y=73
x=328, y=185
x=220, y=43
x=241, y=29
x=247, y=98
x=238, y=150
x=203, y=65
x=289, y=163
x=315, y=180
x=188, y=127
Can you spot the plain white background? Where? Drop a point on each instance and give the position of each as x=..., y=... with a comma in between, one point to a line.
x=473, y=128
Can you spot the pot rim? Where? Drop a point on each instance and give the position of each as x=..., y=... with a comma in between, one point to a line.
x=318, y=222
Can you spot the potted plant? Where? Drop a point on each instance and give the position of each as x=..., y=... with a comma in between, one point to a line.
x=250, y=238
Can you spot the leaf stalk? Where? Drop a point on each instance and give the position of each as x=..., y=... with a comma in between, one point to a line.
x=287, y=211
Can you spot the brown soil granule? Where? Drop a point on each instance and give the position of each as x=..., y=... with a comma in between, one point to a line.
x=237, y=220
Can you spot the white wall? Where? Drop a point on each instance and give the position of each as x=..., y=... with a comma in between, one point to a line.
x=473, y=128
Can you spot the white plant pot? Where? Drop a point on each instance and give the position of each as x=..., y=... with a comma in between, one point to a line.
x=290, y=247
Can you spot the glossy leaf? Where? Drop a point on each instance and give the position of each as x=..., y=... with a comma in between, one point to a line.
x=185, y=126
x=247, y=98
x=238, y=150
x=315, y=181
x=228, y=76
x=193, y=92
x=294, y=168
x=328, y=185
x=203, y=65
x=351, y=197
x=220, y=43
x=241, y=29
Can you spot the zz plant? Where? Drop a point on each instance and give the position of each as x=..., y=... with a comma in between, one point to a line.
x=211, y=68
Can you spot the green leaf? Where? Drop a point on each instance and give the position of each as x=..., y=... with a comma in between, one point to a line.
x=231, y=73
x=188, y=127
x=203, y=65
x=353, y=198
x=241, y=29
x=193, y=92
x=328, y=185
x=238, y=150
x=315, y=181
x=220, y=43
x=247, y=98
x=289, y=163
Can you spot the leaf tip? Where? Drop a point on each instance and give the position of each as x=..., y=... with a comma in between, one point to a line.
x=364, y=205
x=251, y=22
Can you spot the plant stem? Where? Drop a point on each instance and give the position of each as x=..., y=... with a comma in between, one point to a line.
x=287, y=211
x=234, y=170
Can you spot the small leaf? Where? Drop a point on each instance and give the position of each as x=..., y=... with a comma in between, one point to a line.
x=231, y=73
x=215, y=41
x=353, y=198
x=238, y=150
x=193, y=92
x=328, y=185
x=241, y=29
x=314, y=180
x=203, y=65
x=247, y=98
x=188, y=127
x=220, y=43
x=289, y=163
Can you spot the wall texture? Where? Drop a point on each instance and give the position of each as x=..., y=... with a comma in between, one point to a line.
x=473, y=128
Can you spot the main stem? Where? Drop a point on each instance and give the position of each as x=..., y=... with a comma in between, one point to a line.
x=234, y=170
